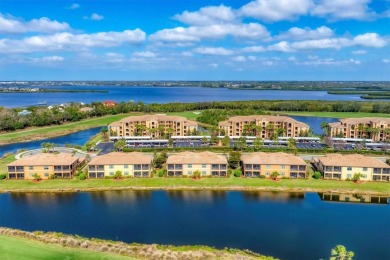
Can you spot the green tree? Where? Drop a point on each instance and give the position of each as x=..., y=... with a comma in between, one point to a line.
x=240, y=143
x=325, y=127
x=356, y=177
x=226, y=141
x=118, y=175
x=341, y=253
x=234, y=159
x=159, y=160
x=37, y=177
x=292, y=143
x=120, y=144
x=258, y=143
x=196, y=174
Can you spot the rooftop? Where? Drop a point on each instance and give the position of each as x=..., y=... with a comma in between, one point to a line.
x=196, y=158
x=362, y=120
x=272, y=159
x=352, y=160
x=158, y=117
x=267, y=118
x=116, y=158
x=46, y=159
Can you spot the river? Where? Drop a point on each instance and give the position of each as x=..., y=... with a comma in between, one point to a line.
x=284, y=225
x=162, y=95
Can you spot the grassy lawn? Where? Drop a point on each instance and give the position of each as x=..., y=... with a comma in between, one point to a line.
x=187, y=114
x=22, y=249
x=205, y=183
x=4, y=162
x=332, y=114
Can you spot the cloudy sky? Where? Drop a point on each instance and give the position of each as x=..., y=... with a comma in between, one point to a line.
x=195, y=40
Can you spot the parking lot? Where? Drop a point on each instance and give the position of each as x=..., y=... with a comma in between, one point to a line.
x=105, y=147
x=317, y=146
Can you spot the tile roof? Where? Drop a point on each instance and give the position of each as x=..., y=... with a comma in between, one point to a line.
x=196, y=158
x=43, y=159
x=272, y=159
x=116, y=158
x=159, y=117
x=267, y=118
x=353, y=160
x=364, y=120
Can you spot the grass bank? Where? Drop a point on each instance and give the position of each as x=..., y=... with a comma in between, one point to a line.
x=232, y=183
x=332, y=114
x=17, y=244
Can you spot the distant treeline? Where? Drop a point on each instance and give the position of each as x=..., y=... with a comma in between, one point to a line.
x=10, y=120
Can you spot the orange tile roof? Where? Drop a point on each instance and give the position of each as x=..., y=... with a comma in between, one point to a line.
x=272, y=159
x=116, y=158
x=196, y=158
x=158, y=117
x=352, y=160
x=46, y=159
x=267, y=118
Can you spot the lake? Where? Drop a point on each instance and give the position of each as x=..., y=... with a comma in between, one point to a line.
x=77, y=138
x=163, y=95
x=284, y=225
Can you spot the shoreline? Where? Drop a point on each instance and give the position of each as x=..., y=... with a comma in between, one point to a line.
x=189, y=188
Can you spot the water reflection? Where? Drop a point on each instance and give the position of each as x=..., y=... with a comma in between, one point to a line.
x=354, y=198
x=119, y=197
x=274, y=196
x=197, y=195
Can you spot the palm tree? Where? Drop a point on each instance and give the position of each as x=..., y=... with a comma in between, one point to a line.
x=325, y=127
x=270, y=128
x=170, y=131
x=341, y=253
x=120, y=144
x=360, y=129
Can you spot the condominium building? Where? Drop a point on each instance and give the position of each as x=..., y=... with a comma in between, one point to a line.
x=133, y=164
x=287, y=165
x=62, y=165
x=377, y=129
x=341, y=167
x=186, y=163
x=153, y=125
x=263, y=126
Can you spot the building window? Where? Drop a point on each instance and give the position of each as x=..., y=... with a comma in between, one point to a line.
x=349, y=168
x=126, y=166
x=46, y=167
x=364, y=176
x=203, y=165
x=126, y=173
x=31, y=167
x=266, y=173
x=189, y=172
x=364, y=169
x=46, y=174
x=282, y=166
x=203, y=172
x=282, y=173
x=189, y=165
x=111, y=173
x=349, y=176
x=268, y=166
x=111, y=166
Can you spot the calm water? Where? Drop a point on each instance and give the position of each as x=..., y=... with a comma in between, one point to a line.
x=284, y=225
x=80, y=138
x=163, y=95
x=315, y=122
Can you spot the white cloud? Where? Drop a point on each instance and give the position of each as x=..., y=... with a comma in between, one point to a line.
x=253, y=49
x=369, y=40
x=252, y=31
x=239, y=58
x=280, y=46
x=74, y=6
x=145, y=54
x=276, y=10
x=359, y=52
x=43, y=25
x=296, y=33
x=252, y=58
x=213, y=51
x=69, y=41
x=213, y=65
x=94, y=16
x=207, y=16
x=292, y=58
x=329, y=61
x=187, y=54
x=386, y=61
x=343, y=9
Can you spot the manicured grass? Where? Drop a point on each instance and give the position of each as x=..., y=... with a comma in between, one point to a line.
x=189, y=183
x=4, y=162
x=332, y=114
x=19, y=249
x=187, y=114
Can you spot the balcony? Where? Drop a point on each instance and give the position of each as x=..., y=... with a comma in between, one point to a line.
x=215, y=167
x=178, y=167
x=222, y=167
x=171, y=167
x=302, y=167
x=294, y=167
x=100, y=168
x=337, y=169
x=377, y=170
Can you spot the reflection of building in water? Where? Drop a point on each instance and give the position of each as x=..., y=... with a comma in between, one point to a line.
x=197, y=195
x=124, y=197
x=356, y=198
x=273, y=195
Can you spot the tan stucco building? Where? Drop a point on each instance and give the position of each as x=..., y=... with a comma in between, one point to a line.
x=133, y=164
x=62, y=165
x=376, y=129
x=186, y=163
x=262, y=126
x=152, y=125
x=341, y=167
x=287, y=165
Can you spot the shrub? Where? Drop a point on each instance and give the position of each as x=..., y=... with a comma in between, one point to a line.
x=37, y=177
x=196, y=174
x=285, y=178
x=274, y=175
x=317, y=175
x=237, y=173
x=118, y=175
x=3, y=176
x=161, y=173
x=356, y=177
x=262, y=176
x=348, y=179
x=82, y=176
x=52, y=176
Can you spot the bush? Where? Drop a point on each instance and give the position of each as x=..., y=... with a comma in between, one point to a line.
x=274, y=175
x=82, y=176
x=356, y=177
x=118, y=175
x=237, y=173
x=37, y=177
x=262, y=176
x=196, y=174
x=161, y=173
x=52, y=176
x=3, y=176
x=317, y=175
x=348, y=179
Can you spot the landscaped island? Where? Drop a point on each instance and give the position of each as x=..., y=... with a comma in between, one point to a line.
x=17, y=244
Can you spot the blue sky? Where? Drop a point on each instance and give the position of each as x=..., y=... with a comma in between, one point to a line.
x=195, y=40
